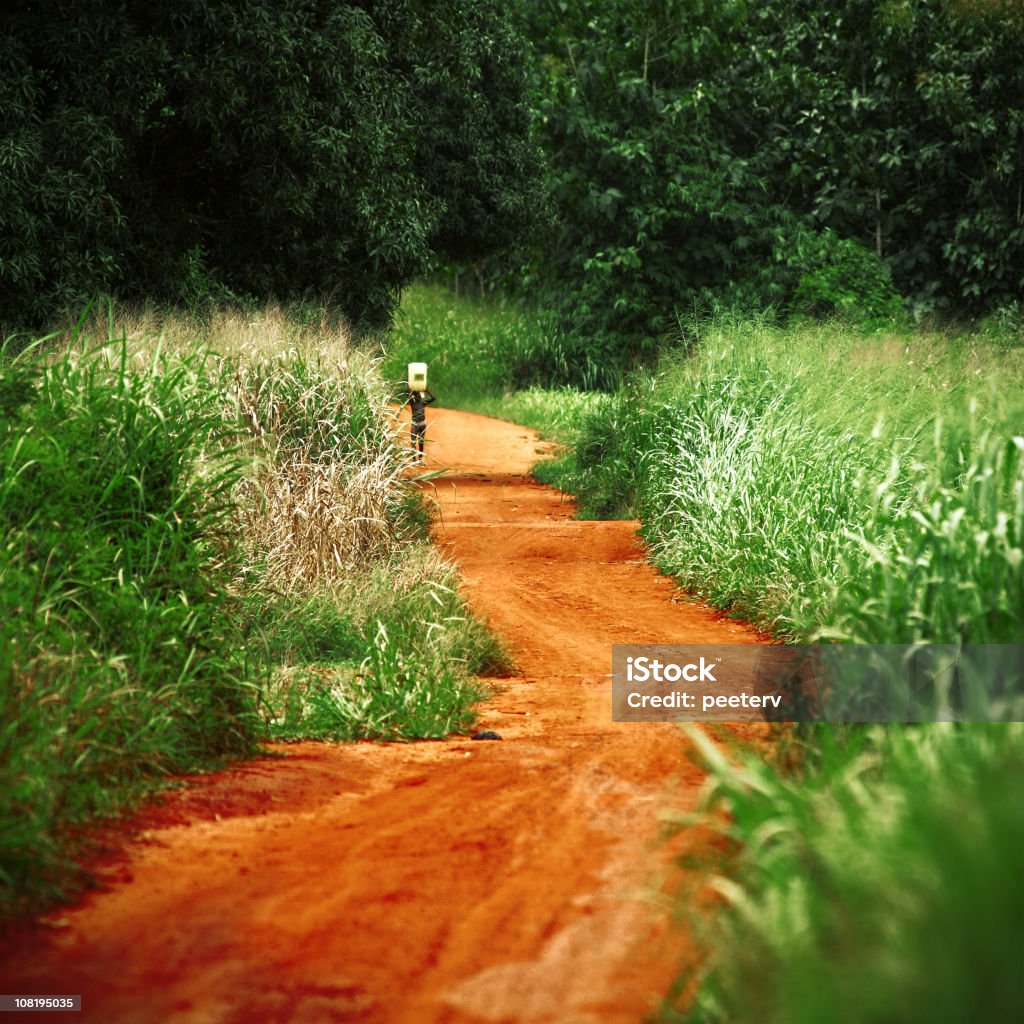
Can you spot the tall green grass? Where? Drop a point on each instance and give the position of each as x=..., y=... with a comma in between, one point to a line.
x=833, y=485
x=120, y=655
x=826, y=484
x=203, y=543
x=876, y=880
x=468, y=344
x=392, y=655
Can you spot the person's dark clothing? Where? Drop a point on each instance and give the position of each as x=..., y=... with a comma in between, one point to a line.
x=418, y=402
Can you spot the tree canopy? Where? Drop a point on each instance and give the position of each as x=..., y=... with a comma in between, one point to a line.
x=808, y=155
x=286, y=147
x=856, y=156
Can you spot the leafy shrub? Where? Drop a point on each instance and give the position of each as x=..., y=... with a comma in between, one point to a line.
x=694, y=148
x=841, y=277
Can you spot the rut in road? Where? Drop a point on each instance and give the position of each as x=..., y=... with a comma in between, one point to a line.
x=435, y=882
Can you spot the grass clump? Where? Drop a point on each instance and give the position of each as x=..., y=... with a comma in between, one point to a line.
x=879, y=881
x=826, y=484
x=326, y=494
x=394, y=654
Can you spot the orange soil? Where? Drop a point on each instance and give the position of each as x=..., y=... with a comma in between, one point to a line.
x=451, y=882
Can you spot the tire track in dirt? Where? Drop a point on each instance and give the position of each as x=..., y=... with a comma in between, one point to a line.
x=451, y=882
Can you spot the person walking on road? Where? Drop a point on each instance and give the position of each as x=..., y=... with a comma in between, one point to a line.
x=418, y=402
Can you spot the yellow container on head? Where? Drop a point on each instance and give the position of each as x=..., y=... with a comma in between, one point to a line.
x=417, y=376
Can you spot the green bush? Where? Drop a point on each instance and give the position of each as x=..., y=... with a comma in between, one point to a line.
x=294, y=149
x=840, y=277
x=790, y=154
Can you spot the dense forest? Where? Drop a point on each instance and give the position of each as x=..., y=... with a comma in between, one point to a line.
x=860, y=157
x=620, y=162
x=287, y=148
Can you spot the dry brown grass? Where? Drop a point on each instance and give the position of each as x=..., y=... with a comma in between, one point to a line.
x=306, y=522
x=324, y=496
x=231, y=334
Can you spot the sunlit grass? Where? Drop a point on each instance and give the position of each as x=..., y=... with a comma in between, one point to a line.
x=877, y=878
x=840, y=486
x=827, y=484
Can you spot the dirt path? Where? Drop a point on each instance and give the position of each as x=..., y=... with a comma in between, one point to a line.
x=437, y=882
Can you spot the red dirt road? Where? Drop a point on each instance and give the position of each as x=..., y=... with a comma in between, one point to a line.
x=454, y=882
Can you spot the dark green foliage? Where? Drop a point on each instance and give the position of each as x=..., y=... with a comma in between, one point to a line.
x=290, y=147
x=840, y=277
x=900, y=126
x=647, y=210
x=822, y=158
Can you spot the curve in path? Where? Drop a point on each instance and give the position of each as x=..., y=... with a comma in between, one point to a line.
x=437, y=882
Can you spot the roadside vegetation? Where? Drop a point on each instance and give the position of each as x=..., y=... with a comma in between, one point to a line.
x=824, y=481
x=827, y=481
x=874, y=876
x=731, y=220
x=206, y=540
x=841, y=485
x=833, y=482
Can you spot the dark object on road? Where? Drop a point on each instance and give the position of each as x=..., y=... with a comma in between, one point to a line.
x=485, y=735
